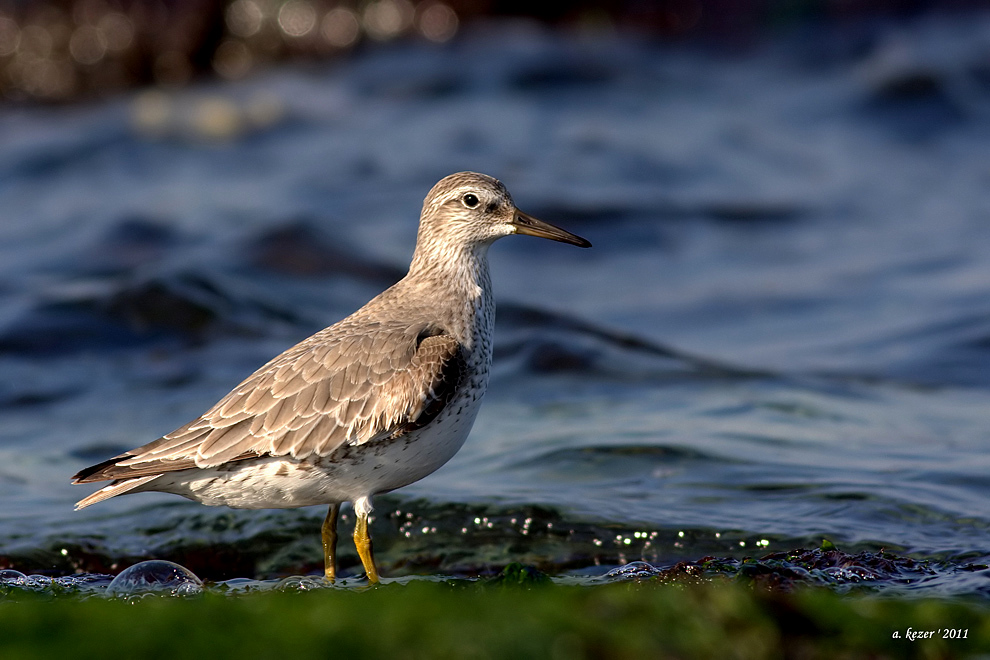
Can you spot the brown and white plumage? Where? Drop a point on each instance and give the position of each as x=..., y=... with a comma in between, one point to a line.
x=331, y=389
x=372, y=403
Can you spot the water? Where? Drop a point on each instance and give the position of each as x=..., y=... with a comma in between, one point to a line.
x=781, y=335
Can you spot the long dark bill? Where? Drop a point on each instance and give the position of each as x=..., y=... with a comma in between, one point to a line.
x=527, y=224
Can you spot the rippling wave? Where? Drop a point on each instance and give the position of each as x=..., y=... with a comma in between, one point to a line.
x=780, y=336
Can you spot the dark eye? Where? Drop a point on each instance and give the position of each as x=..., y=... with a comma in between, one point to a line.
x=470, y=200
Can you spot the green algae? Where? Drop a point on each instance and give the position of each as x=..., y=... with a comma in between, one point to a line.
x=462, y=619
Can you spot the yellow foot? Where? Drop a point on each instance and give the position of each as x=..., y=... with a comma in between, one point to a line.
x=362, y=540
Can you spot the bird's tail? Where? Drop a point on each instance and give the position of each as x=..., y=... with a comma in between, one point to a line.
x=118, y=487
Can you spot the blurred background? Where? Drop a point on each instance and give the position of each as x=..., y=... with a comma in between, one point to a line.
x=781, y=335
x=71, y=49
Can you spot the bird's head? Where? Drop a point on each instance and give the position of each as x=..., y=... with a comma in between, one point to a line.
x=471, y=209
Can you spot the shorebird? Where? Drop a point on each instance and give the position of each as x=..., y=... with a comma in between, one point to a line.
x=373, y=403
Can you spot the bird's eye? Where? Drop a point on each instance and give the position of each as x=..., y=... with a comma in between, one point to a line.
x=470, y=200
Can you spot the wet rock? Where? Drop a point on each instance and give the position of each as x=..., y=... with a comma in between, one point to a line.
x=784, y=571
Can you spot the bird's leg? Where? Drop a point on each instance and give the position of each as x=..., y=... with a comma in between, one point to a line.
x=362, y=540
x=330, y=542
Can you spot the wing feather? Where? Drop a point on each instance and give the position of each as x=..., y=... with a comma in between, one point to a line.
x=304, y=400
x=330, y=390
x=333, y=435
x=322, y=401
x=336, y=389
x=223, y=444
x=273, y=415
x=289, y=384
x=287, y=414
x=260, y=400
x=187, y=444
x=283, y=444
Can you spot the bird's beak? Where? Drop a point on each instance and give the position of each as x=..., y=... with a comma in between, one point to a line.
x=527, y=224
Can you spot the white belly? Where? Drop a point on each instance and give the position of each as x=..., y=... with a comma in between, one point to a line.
x=350, y=473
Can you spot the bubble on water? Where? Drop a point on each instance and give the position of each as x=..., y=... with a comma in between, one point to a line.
x=12, y=581
x=40, y=582
x=155, y=577
x=10, y=575
x=302, y=583
x=634, y=570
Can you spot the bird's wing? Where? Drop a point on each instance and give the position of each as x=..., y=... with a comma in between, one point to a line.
x=332, y=389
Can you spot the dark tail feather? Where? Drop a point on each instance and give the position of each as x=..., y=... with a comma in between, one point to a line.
x=93, y=472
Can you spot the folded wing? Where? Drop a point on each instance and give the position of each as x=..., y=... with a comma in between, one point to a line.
x=330, y=390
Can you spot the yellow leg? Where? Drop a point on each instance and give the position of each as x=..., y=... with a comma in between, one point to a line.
x=362, y=540
x=329, y=534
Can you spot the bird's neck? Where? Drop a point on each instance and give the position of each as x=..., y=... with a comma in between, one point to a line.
x=459, y=274
x=463, y=270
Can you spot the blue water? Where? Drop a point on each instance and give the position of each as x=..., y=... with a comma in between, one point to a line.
x=781, y=335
